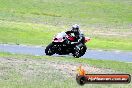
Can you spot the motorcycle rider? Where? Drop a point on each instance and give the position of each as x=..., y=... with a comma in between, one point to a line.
x=76, y=34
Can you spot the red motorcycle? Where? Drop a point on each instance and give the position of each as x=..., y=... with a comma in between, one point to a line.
x=60, y=46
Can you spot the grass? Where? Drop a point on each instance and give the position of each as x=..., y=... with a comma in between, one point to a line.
x=15, y=73
x=36, y=21
x=26, y=33
x=102, y=12
x=116, y=44
x=40, y=34
x=115, y=65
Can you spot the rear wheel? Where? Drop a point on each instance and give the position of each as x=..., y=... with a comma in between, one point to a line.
x=49, y=49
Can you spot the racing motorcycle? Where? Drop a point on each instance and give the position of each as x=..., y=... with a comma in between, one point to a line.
x=61, y=46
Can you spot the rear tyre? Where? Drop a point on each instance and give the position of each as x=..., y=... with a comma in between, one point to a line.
x=49, y=49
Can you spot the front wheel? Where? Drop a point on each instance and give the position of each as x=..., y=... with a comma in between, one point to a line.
x=49, y=49
x=79, y=51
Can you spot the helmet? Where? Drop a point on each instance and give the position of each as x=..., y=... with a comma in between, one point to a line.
x=75, y=28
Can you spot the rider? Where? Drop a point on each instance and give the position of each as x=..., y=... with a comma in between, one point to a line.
x=76, y=33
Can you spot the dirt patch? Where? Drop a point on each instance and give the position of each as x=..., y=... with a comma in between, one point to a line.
x=36, y=67
x=100, y=32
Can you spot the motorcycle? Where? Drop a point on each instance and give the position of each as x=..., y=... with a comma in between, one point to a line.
x=60, y=46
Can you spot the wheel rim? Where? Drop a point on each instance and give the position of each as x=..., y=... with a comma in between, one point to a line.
x=49, y=51
x=80, y=52
x=77, y=53
x=82, y=49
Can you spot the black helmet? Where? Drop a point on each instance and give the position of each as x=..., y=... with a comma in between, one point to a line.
x=75, y=28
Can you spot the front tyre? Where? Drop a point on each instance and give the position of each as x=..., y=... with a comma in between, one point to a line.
x=79, y=51
x=83, y=50
x=49, y=49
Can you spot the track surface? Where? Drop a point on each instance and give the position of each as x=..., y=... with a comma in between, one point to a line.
x=96, y=54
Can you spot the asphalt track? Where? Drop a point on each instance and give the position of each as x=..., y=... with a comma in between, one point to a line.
x=93, y=54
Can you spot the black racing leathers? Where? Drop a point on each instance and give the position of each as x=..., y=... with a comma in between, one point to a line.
x=79, y=37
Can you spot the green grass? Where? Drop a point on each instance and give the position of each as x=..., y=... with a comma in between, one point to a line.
x=40, y=34
x=101, y=12
x=115, y=65
x=35, y=22
x=26, y=33
x=112, y=43
x=42, y=76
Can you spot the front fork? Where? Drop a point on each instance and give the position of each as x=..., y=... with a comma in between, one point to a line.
x=78, y=46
